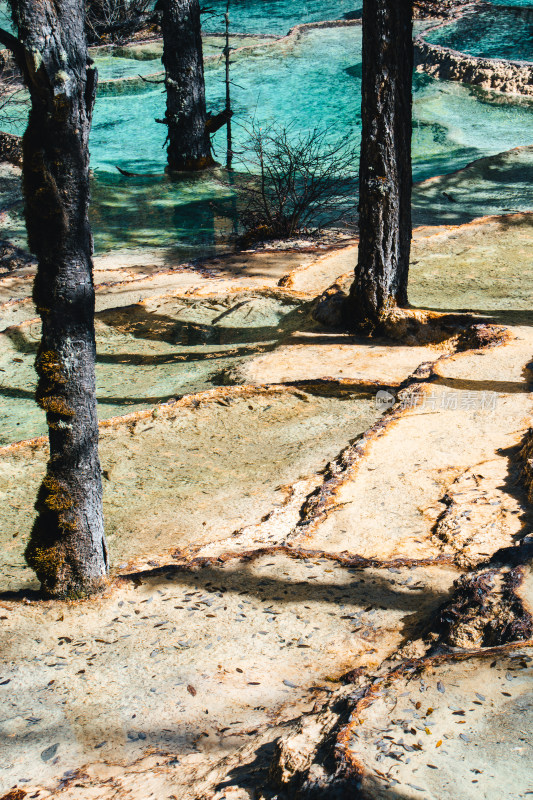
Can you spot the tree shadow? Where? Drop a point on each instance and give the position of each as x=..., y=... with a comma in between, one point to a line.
x=488, y=185
x=137, y=322
x=470, y=385
x=253, y=774
x=155, y=212
x=359, y=586
x=493, y=315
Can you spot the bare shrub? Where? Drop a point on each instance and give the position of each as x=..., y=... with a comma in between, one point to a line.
x=14, y=106
x=116, y=21
x=296, y=182
x=13, y=97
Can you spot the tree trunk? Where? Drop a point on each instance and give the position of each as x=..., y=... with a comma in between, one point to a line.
x=385, y=171
x=67, y=547
x=189, y=145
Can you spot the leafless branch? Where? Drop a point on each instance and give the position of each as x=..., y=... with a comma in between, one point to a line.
x=13, y=97
x=296, y=182
x=116, y=21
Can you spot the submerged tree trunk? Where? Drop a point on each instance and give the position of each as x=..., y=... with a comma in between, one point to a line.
x=67, y=547
x=189, y=145
x=385, y=171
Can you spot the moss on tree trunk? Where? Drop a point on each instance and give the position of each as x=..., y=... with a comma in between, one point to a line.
x=67, y=546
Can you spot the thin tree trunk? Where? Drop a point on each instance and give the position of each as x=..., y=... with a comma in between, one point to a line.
x=189, y=145
x=385, y=171
x=227, y=55
x=67, y=547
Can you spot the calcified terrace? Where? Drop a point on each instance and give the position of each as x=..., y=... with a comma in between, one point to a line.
x=279, y=540
x=313, y=594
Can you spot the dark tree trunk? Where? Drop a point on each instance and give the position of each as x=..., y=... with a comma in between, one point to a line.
x=189, y=146
x=67, y=547
x=385, y=171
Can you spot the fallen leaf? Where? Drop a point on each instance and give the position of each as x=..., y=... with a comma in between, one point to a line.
x=14, y=794
x=49, y=752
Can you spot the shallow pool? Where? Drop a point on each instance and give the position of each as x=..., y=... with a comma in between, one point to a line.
x=513, y=3
x=490, y=33
x=453, y=123
x=277, y=16
x=309, y=82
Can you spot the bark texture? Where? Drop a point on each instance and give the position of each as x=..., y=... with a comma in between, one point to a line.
x=189, y=145
x=385, y=171
x=67, y=546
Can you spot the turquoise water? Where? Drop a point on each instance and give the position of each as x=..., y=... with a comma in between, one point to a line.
x=192, y=217
x=453, y=123
x=115, y=68
x=514, y=3
x=5, y=18
x=313, y=82
x=505, y=33
x=276, y=16
x=260, y=16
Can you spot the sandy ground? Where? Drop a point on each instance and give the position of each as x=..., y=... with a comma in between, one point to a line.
x=463, y=424
x=456, y=729
x=276, y=532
